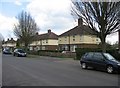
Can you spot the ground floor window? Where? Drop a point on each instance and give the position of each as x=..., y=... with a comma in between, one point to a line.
x=31, y=48
x=73, y=47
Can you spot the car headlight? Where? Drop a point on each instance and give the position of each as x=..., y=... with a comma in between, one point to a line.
x=118, y=64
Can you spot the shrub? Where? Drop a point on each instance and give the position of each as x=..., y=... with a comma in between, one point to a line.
x=55, y=51
x=33, y=52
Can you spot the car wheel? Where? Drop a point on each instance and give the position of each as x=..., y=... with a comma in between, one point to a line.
x=83, y=65
x=17, y=55
x=110, y=69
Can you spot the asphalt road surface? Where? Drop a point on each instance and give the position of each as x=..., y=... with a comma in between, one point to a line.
x=49, y=71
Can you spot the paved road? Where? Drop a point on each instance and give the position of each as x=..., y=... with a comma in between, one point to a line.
x=48, y=71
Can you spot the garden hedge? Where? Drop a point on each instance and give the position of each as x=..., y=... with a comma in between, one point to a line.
x=82, y=51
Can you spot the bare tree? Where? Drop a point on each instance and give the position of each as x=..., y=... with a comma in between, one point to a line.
x=119, y=32
x=101, y=17
x=26, y=28
x=1, y=39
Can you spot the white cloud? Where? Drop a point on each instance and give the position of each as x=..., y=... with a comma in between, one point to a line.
x=112, y=38
x=17, y=2
x=52, y=14
x=6, y=25
x=14, y=0
x=48, y=14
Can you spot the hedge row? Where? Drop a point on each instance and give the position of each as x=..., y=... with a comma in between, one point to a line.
x=81, y=51
x=49, y=51
x=42, y=51
x=53, y=53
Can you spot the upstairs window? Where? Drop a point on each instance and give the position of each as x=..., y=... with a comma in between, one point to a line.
x=73, y=36
x=46, y=41
x=96, y=39
x=73, y=39
x=81, y=38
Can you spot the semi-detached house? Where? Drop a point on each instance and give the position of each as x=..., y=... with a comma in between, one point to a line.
x=80, y=36
x=46, y=41
x=10, y=43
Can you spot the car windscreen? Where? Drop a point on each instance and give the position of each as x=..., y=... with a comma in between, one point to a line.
x=21, y=51
x=108, y=56
x=6, y=50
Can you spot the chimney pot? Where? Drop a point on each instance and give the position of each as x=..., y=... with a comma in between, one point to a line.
x=80, y=21
x=11, y=38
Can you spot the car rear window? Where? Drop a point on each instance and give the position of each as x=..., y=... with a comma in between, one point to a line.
x=21, y=51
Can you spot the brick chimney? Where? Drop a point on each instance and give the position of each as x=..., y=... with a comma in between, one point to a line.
x=8, y=39
x=80, y=21
x=49, y=31
x=36, y=33
x=11, y=38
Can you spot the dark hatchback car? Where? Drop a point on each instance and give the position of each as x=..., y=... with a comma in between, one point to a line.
x=7, y=51
x=101, y=61
x=19, y=52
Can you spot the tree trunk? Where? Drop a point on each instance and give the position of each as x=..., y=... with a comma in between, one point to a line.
x=103, y=44
x=119, y=41
x=26, y=47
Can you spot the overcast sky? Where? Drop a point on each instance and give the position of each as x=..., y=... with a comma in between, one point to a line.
x=48, y=14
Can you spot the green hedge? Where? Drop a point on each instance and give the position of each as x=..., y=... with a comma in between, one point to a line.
x=49, y=51
x=53, y=53
x=42, y=51
x=82, y=51
x=114, y=53
x=33, y=52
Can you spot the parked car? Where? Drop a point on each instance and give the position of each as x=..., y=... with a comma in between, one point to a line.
x=6, y=51
x=101, y=61
x=19, y=52
x=66, y=52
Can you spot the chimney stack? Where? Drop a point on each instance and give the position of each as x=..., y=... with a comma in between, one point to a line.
x=80, y=21
x=36, y=33
x=11, y=38
x=49, y=31
x=8, y=39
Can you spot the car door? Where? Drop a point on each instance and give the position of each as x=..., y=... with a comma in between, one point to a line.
x=99, y=61
x=88, y=59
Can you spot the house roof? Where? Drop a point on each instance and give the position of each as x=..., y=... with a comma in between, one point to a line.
x=49, y=35
x=10, y=41
x=78, y=30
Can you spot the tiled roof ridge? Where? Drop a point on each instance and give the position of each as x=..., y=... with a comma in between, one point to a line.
x=81, y=29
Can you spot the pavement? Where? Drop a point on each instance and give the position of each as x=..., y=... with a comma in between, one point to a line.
x=0, y=69
x=51, y=71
